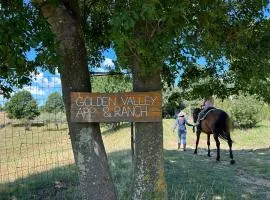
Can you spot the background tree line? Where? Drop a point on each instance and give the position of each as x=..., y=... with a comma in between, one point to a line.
x=244, y=109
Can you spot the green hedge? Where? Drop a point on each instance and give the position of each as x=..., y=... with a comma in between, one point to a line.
x=245, y=110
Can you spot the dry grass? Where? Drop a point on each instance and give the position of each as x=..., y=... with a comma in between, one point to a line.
x=23, y=153
x=44, y=149
x=3, y=118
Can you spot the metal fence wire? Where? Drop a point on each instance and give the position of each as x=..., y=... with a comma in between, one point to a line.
x=38, y=163
x=39, y=154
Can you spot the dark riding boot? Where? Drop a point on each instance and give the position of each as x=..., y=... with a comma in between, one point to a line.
x=198, y=123
x=184, y=147
x=198, y=126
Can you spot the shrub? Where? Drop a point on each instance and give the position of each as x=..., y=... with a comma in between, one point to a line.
x=266, y=111
x=224, y=104
x=54, y=103
x=22, y=106
x=245, y=111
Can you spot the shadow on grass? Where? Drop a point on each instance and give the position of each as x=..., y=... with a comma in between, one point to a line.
x=188, y=176
x=192, y=176
x=34, y=124
x=110, y=131
x=62, y=182
x=38, y=125
x=55, y=129
x=45, y=185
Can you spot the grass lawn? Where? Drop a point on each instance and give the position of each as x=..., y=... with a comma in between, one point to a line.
x=38, y=164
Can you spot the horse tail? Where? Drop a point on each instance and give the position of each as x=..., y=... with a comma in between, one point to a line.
x=224, y=125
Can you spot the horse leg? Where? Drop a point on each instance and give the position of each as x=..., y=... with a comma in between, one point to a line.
x=230, y=146
x=218, y=146
x=197, y=141
x=208, y=144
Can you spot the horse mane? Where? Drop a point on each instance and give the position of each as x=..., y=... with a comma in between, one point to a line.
x=195, y=114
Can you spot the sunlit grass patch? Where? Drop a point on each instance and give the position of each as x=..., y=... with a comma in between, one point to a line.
x=37, y=164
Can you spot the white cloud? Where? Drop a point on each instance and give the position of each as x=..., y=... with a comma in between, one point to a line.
x=55, y=81
x=57, y=73
x=44, y=81
x=108, y=62
x=100, y=70
x=40, y=79
x=34, y=90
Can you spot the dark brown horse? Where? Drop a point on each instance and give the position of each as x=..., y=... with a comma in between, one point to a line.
x=216, y=122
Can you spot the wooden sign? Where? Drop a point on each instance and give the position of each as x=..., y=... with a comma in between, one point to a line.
x=116, y=107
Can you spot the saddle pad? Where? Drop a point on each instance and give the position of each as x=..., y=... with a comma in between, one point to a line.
x=208, y=111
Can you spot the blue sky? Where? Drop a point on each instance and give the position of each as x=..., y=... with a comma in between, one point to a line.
x=267, y=11
x=45, y=83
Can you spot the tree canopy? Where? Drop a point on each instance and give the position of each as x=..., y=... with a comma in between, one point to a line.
x=22, y=30
x=22, y=106
x=54, y=103
x=172, y=101
x=111, y=83
x=231, y=38
x=237, y=56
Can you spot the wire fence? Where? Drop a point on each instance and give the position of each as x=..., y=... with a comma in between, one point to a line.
x=42, y=148
x=26, y=152
x=36, y=158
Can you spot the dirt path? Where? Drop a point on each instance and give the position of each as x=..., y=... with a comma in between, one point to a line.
x=251, y=174
x=255, y=181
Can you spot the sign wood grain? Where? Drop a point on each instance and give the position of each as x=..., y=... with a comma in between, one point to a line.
x=116, y=107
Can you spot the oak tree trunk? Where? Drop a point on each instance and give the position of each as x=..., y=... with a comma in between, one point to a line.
x=88, y=148
x=148, y=175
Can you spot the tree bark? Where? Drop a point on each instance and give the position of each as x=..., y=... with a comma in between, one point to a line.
x=148, y=175
x=88, y=148
x=132, y=141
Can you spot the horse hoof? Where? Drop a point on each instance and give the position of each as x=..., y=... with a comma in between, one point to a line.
x=218, y=159
x=232, y=162
x=195, y=152
x=209, y=155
